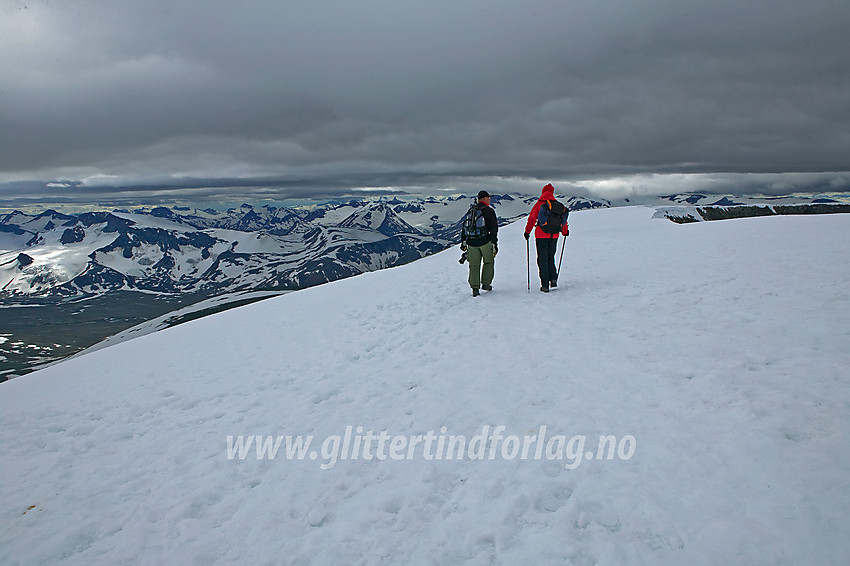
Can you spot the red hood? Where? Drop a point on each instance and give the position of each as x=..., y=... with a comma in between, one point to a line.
x=548, y=193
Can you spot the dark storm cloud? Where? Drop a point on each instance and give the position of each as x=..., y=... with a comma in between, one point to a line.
x=387, y=93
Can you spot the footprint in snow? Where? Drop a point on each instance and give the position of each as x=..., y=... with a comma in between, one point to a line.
x=317, y=517
x=553, y=500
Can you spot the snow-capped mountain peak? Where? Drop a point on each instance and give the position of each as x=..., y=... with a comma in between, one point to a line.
x=379, y=217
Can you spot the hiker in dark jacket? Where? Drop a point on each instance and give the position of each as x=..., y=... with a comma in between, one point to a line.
x=481, y=246
x=547, y=244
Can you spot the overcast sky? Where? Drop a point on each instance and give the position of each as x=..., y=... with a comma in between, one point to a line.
x=167, y=99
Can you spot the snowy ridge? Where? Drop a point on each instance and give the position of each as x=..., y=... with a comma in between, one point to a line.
x=731, y=378
x=379, y=218
x=178, y=316
x=721, y=200
x=685, y=214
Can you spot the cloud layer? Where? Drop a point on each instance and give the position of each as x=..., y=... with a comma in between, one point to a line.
x=313, y=95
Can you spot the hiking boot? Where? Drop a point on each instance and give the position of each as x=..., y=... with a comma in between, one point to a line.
x=553, y=283
x=544, y=289
x=475, y=292
x=487, y=287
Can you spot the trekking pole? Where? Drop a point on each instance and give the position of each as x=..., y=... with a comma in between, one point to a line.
x=564, y=245
x=528, y=265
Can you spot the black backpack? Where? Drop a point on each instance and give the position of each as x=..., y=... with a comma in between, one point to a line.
x=474, y=226
x=552, y=216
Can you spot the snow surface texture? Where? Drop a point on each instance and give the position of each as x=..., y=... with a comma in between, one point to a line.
x=722, y=347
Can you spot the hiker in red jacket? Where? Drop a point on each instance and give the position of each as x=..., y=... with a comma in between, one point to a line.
x=549, y=225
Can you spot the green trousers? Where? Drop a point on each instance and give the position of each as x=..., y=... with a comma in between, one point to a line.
x=478, y=274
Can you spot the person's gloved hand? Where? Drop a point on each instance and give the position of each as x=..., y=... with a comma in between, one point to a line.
x=567, y=233
x=495, y=250
x=527, y=234
x=463, y=247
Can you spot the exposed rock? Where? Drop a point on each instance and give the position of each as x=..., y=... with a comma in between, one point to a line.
x=73, y=235
x=712, y=213
x=24, y=260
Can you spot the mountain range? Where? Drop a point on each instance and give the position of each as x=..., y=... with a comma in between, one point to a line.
x=52, y=255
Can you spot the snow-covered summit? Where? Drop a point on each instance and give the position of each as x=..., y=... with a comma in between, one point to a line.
x=717, y=350
x=379, y=217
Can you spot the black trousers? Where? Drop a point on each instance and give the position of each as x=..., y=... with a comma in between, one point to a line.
x=546, y=248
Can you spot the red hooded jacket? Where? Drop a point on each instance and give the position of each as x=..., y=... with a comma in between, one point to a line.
x=547, y=194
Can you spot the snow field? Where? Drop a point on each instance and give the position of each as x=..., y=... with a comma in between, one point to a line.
x=722, y=347
x=55, y=262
